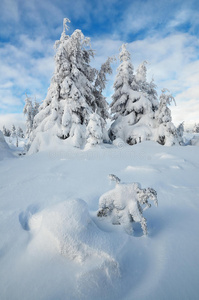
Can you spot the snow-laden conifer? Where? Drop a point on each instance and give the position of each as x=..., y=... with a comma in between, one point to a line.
x=122, y=84
x=20, y=132
x=101, y=105
x=196, y=128
x=71, y=97
x=100, y=84
x=13, y=131
x=140, y=76
x=6, y=131
x=166, y=133
x=35, y=109
x=131, y=105
x=29, y=113
x=94, y=130
x=152, y=95
x=180, y=129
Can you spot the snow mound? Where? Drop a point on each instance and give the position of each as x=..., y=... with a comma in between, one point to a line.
x=195, y=140
x=141, y=169
x=119, y=143
x=5, y=151
x=69, y=228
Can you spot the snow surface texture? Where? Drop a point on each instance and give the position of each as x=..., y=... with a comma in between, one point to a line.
x=70, y=228
x=5, y=151
x=53, y=245
x=195, y=140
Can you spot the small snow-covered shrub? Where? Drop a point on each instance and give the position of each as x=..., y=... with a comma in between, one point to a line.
x=125, y=204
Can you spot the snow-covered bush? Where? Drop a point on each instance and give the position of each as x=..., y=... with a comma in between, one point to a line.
x=125, y=204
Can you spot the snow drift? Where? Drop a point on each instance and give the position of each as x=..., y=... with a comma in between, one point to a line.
x=5, y=151
x=72, y=232
x=68, y=229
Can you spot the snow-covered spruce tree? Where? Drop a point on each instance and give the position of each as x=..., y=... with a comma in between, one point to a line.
x=20, y=132
x=149, y=88
x=125, y=204
x=180, y=129
x=166, y=133
x=140, y=76
x=70, y=100
x=100, y=84
x=94, y=130
x=35, y=109
x=13, y=131
x=101, y=105
x=196, y=128
x=152, y=94
x=14, y=136
x=29, y=113
x=6, y=132
x=132, y=107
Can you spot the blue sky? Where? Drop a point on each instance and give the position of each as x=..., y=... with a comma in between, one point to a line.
x=165, y=33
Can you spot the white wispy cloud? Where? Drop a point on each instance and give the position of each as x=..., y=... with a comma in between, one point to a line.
x=27, y=67
x=186, y=112
x=8, y=120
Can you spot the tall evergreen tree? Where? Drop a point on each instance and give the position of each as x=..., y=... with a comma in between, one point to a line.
x=35, y=109
x=152, y=94
x=20, y=133
x=100, y=84
x=140, y=76
x=71, y=97
x=13, y=131
x=196, y=128
x=6, y=132
x=149, y=88
x=131, y=107
x=101, y=105
x=166, y=133
x=29, y=112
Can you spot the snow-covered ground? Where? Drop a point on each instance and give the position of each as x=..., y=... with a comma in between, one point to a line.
x=53, y=245
x=5, y=150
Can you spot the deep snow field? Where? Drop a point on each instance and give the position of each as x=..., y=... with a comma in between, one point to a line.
x=54, y=247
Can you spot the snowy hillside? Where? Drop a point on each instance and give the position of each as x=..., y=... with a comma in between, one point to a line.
x=5, y=151
x=53, y=245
